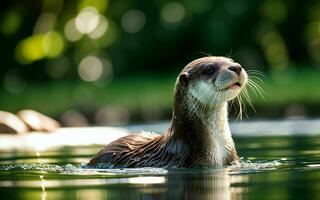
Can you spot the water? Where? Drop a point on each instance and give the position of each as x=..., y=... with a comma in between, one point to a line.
x=277, y=167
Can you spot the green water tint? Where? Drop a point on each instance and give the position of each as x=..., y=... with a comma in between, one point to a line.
x=271, y=168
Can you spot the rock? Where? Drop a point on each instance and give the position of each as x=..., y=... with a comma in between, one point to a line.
x=37, y=121
x=10, y=123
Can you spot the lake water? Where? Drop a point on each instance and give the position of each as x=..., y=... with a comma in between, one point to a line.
x=273, y=167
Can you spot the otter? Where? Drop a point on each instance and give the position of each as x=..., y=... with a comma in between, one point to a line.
x=199, y=134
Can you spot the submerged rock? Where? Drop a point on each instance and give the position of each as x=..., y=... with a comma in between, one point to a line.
x=37, y=121
x=10, y=123
x=26, y=121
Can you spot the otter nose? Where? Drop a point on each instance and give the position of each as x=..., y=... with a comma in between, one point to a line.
x=235, y=68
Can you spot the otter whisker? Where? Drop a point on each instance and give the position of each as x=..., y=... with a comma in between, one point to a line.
x=196, y=103
x=256, y=75
x=240, y=108
x=216, y=93
x=204, y=94
x=247, y=97
x=213, y=99
x=258, y=91
x=193, y=103
x=244, y=94
x=230, y=54
x=204, y=107
x=255, y=78
x=204, y=53
x=255, y=72
x=233, y=106
x=204, y=97
x=245, y=110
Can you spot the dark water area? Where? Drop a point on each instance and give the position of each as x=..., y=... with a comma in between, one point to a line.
x=277, y=167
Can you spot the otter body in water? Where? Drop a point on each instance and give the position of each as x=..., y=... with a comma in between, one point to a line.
x=199, y=134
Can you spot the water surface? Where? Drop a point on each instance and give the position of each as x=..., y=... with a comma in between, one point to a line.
x=277, y=167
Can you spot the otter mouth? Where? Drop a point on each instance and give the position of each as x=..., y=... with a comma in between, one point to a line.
x=236, y=85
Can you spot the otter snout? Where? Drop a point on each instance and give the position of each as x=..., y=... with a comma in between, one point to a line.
x=235, y=68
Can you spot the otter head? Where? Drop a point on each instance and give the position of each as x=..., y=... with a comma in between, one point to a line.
x=212, y=81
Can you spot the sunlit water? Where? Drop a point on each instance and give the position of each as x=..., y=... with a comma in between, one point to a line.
x=283, y=167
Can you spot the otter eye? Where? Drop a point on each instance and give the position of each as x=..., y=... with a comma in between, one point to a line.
x=209, y=71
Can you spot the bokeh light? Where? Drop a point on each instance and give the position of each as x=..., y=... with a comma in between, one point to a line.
x=273, y=46
x=100, y=29
x=52, y=44
x=90, y=68
x=73, y=118
x=39, y=46
x=30, y=49
x=45, y=23
x=110, y=36
x=107, y=73
x=133, y=21
x=172, y=12
x=71, y=32
x=87, y=20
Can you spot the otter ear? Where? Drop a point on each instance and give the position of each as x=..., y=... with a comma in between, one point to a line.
x=184, y=79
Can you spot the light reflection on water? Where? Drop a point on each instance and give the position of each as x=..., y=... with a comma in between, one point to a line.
x=278, y=167
x=175, y=182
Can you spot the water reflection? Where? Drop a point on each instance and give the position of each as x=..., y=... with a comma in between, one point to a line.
x=177, y=184
x=218, y=185
x=280, y=167
x=43, y=187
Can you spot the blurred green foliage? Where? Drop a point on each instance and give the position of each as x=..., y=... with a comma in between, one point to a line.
x=51, y=49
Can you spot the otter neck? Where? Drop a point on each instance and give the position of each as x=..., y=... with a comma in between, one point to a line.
x=206, y=133
x=200, y=123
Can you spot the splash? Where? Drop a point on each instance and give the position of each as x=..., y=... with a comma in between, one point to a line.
x=247, y=166
x=79, y=170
